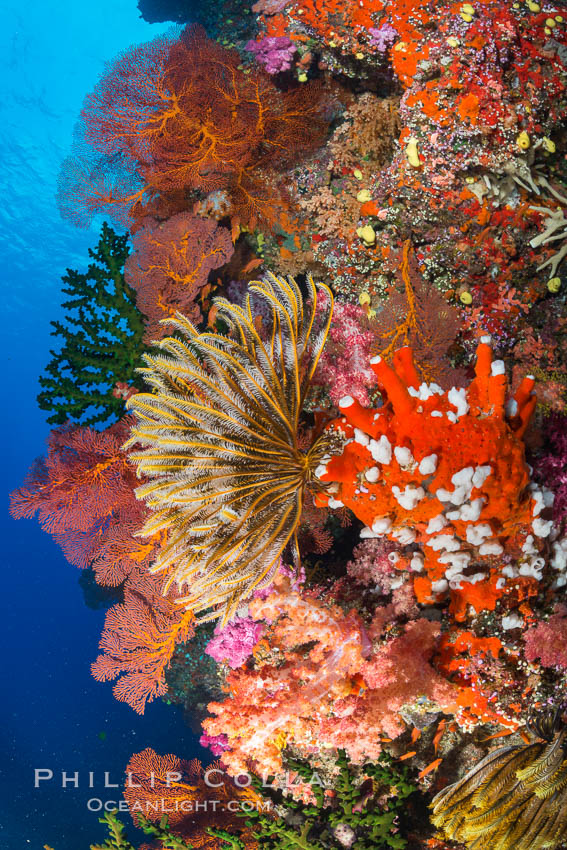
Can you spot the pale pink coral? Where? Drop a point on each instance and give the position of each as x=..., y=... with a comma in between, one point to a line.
x=402, y=606
x=344, y=365
x=373, y=563
x=397, y=674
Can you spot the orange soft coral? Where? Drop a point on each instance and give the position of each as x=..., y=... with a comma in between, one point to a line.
x=329, y=682
x=445, y=471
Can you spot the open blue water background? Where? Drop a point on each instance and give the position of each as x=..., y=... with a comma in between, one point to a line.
x=51, y=710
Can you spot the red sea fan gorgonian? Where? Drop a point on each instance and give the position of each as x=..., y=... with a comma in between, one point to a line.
x=183, y=116
x=171, y=264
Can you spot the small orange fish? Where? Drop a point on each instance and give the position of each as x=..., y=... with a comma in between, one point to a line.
x=430, y=767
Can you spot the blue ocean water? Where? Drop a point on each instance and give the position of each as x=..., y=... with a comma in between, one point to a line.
x=52, y=712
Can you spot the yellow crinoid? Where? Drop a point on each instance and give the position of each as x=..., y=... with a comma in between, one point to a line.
x=226, y=477
x=514, y=799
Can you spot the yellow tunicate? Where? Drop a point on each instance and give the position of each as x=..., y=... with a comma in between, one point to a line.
x=412, y=154
x=465, y=297
x=467, y=9
x=466, y=18
x=547, y=31
x=549, y=22
x=371, y=314
x=548, y=144
x=359, y=55
x=523, y=140
x=554, y=285
x=400, y=45
x=363, y=196
x=470, y=180
x=302, y=77
x=357, y=173
x=364, y=298
x=367, y=234
x=332, y=44
x=559, y=19
x=452, y=41
x=533, y=7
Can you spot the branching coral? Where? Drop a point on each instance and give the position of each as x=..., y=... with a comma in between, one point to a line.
x=555, y=230
x=362, y=809
x=117, y=839
x=170, y=266
x=514, y=798
x=420, y=317
x=183, y=115
x=102, y=339
x=220, y=436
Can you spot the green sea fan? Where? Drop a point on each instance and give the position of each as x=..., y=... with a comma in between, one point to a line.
x=226, y=474
x=514, y=799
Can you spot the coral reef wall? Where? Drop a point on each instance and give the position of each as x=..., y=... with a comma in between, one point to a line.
x=356, y=465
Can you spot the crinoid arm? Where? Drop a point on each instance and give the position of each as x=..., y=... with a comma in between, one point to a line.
x=226, y=478
x=514, y=799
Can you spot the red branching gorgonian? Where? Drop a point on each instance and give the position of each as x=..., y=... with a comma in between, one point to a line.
x=182, y=115
x=170, y=266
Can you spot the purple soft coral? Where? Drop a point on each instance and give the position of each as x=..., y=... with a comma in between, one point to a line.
x=275, y=53
x=382, y=37
x=217, y=744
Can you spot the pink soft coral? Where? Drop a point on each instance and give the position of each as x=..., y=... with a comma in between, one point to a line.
x=373, y=563
x=234, y=643
x=548, y=641
x=344, y=365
